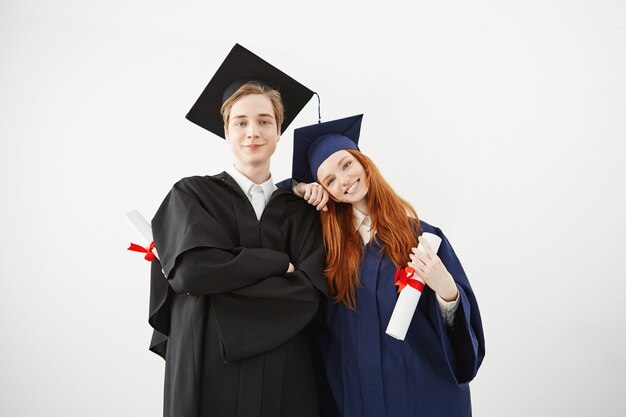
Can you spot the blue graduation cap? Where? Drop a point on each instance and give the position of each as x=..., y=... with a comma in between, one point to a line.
x=239, y=67
x=313, y=144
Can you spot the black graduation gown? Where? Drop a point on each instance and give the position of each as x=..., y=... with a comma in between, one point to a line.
x=228, y=320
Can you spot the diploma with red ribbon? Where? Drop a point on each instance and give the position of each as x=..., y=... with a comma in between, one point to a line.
x=410, y=288
x=404, y=277
x=144, y=230
x=147, y=250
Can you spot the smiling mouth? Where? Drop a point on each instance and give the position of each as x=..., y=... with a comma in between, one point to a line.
x=352, y=187
x=252, y=147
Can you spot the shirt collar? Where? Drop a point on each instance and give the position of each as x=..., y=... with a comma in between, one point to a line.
x=361, y=219
x=245, y=184
x=358, y=217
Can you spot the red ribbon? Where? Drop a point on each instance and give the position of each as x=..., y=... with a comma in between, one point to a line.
x=404, y=277
x=147, y=250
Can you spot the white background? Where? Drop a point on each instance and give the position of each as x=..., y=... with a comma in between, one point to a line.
x=503, y=122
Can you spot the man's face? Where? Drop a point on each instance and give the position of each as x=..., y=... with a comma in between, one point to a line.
x=252, y=132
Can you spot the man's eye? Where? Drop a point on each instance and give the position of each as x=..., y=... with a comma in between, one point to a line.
x=264, y=122
x=239, y=124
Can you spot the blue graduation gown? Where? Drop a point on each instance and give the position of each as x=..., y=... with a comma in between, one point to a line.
x=372, y=374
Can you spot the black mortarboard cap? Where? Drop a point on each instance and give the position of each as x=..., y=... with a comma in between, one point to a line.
x=240, y=67
x=313, y=144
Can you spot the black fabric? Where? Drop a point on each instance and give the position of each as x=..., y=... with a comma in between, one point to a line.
x=228, y=319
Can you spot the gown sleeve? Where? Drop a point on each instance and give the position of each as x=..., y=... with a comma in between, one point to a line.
x=263, y=316
x=257, y=304
x=184, y=228
x=159, y=309
x=202, y=271
x=464, y=342
x=193, y=246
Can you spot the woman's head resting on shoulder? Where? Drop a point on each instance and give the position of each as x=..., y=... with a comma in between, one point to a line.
x=328, y=153
x=345, y=178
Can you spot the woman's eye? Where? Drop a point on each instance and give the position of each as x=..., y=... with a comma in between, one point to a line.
x=347, y=164
x=329, y=182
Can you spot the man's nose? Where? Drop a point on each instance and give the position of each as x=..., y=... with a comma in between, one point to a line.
x=252, y=131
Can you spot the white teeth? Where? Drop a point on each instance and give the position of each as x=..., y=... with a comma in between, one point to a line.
x=352, y=187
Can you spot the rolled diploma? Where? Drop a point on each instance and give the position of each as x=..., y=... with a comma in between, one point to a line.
x=142, y=227
x=408, y=298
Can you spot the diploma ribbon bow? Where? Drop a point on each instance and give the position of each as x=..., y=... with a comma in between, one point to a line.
x=404, y=277
x=147, y=250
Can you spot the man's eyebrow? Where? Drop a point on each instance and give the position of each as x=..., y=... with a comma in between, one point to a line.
x=243, y=116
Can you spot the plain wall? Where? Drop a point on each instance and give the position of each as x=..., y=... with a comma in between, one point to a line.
x=502, y=122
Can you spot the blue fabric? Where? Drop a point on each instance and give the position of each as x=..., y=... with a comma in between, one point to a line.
x=371, y=374
x=313, y=144
x=325, y=146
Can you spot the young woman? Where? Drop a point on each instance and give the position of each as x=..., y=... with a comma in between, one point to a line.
x=369, y=232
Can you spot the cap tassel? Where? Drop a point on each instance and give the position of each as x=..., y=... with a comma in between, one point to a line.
x=319, y=105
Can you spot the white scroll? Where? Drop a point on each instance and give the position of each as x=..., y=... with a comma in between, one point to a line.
x=143, y=228
x=408, y=298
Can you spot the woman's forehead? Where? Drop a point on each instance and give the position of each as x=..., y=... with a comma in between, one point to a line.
x=332, y=163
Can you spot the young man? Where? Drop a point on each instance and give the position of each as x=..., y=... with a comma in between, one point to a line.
x=241, y=262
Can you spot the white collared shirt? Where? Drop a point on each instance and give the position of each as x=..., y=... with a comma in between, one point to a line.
x=363, y=223
x=246, y=185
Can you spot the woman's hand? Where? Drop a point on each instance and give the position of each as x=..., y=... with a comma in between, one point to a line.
x=314, y=194
x=429, y=267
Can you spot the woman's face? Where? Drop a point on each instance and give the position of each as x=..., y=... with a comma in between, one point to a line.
x=345, y=179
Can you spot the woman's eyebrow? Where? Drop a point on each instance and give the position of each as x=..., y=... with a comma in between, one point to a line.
x=338, y=164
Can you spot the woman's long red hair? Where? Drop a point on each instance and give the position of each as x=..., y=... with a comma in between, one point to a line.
x=394, y=222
